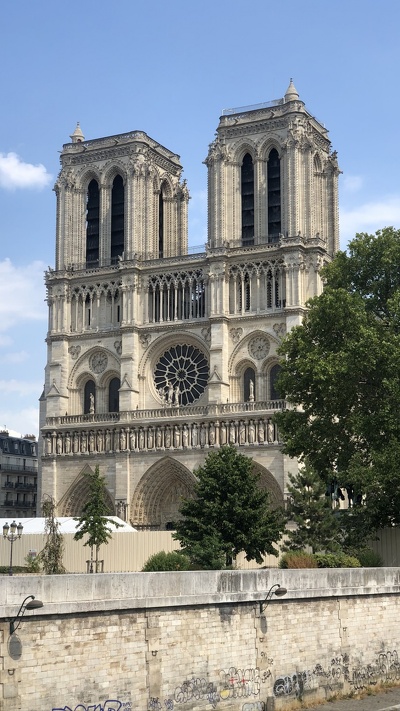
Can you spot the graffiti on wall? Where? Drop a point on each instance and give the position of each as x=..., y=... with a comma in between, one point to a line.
x=109, y=705
x=385, y=668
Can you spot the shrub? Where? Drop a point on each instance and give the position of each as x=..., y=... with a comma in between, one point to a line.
x=336, y=560
x=163, y=561
x=33, y=564
x=368, y=558
x=297, y=559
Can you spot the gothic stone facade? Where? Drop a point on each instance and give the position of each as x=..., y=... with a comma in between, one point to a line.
x=156, y=356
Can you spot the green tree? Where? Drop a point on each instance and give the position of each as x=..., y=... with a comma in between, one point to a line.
x=341, y=374
x=94, y=522
x=228, y=514
x=309, y=507
x=50, y=557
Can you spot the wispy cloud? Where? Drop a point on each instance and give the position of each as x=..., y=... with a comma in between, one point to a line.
x=14, y=358
x=20, y=388
x=25, y=421
x=22, y=294
x=14, y=173
x=352, y=183
x=369, y=217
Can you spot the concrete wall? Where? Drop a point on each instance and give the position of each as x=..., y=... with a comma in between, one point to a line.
x=186, y=641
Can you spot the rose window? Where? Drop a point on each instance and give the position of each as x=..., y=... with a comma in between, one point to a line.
x=181, y=375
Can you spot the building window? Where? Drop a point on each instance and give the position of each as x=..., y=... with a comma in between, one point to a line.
x=249, y=385
x=117, y=218
x=90, y=389
x=273, y=376
x=161, y=223
x=92, y=224
x=113, y=395
x=247, y=185
x=274, y=195
x=181, y=375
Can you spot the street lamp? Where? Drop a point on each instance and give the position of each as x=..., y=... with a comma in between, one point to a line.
x=277, y=590
x=11, y=533
x=33, y=604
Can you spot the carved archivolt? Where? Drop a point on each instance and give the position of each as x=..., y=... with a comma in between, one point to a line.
x=158, y=496
x=78, y=495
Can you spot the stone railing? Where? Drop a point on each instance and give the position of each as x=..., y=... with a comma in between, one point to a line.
x=249, y=429
x=170, y=412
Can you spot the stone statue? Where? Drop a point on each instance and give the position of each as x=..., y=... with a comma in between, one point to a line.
x=59, y=444
x=132, y=440
x=158, y=438
x=203, y=435
x=222, y=434
x=100, y=441
x=177, y=437
x=108, y=440
x=48, y=444
x=242, y=432
x=170, y=393
x=167, y=437
x=211, y=434
x=261, y=432
x=176, y=396
x=75, y=443
x=195, y=435
x=185, y=436
x=161, y=394
x=251, y=432
x=270, y=429
x=83, y=443
x=67, y=443
x=232, y=433
x=141, y=438
x=91, y=441
x=91, y=404
x=122, y=440
x=251, y=395
x=150, y=438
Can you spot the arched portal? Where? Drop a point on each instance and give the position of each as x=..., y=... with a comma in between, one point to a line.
x=268, y=482
x=157, y=499
x=78, y=495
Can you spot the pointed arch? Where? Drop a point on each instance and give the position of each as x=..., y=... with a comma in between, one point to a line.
x=93, y=223
x=268, y=483
x=247, y=193
x=117, y=218
x=78, y=495
x=156, y=501
x=274, y=195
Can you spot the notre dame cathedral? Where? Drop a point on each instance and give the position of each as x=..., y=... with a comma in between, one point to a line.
x=156, y=356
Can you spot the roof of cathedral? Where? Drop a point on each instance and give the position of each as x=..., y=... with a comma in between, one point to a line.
x=291, y=92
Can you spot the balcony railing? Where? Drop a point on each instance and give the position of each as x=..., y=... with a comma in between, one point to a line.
x=169, y=412
x=17, y=468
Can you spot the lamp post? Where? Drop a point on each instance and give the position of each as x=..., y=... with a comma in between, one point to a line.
x=277, y=590
x=11, y=533
x=33, y=604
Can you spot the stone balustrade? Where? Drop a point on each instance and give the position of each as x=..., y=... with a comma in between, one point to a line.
x=246, y=431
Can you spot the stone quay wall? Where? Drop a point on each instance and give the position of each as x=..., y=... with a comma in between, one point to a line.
x=196, y=641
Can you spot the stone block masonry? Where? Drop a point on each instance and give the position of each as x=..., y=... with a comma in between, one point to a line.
x=197, y=641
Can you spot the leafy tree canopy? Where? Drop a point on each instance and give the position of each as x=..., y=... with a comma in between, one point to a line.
x=229, y=513
x=341, y=373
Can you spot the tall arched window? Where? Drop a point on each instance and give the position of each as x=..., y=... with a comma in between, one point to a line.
x=117, y=218
x=92, y=223
x=113, y=395
x=161, y=224
x=90, y=389
x=274, y=195
x=249, y=385
x=318, y=195
x=247, y=186
x=273, y=376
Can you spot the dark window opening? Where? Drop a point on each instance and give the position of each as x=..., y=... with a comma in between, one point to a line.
x=90, y=389
x=273, y=376
x=117, y=218
x=247, y=186
x=274, y=195
x=92, y=224
x=161, y=225
x=113, y=395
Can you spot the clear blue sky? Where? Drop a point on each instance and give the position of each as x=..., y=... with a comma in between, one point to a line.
x=169, y=68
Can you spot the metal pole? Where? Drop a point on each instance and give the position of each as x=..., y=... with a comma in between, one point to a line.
x=10, y=572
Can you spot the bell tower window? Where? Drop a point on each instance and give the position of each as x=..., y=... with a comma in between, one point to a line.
x=161, y=224
x=117, y=218
x=274, y=195
x=273, y=376
x=92, y=223
x=113, y=395
x=247, y=186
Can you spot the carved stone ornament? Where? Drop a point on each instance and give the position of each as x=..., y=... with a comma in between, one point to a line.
x=118, y=347
x=206, y=333
x=74, y=351
x=280, y=329
x=98, y=363
x=236, y=334
x=259, y=347
x=145, y=339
